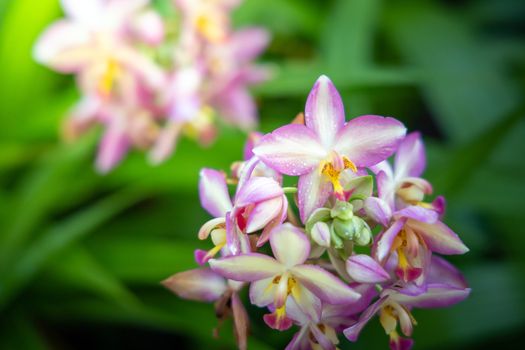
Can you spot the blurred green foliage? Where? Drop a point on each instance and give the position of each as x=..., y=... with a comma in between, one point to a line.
x=81, y=255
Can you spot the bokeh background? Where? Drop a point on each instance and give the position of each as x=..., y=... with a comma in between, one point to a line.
x=81, y=255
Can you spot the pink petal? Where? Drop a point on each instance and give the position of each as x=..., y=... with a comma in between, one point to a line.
x=435, y=296
x=441, y=271
x=309, y=305
x=324, y=285
x=236, y=241
x=265, y=235
x=238, y=107
x=245, y=172
x=313, y=192
x=198, y=284
x=400, y=343
x=324, y=112
x=290, y=245
x=263, y=213
x=300, y=340
x=386, y=239
x=165, y=144
x=368, y=293
x=386, y=187
x=241, y=322
x=369, y=139
x=410, y=160
x=249, y=43
x=257, y=189
x=321, y=234
x=378, y=210
x=418, y=213
x=352, y=332
x=213, y=192
x=292, y=150
x=321, y=338
x=146, y=69
x=423, y=184
x=362, y=268
x=439, y=237
x=252, y=140
x=114, y=145
x=149, y=27
x=274, y=322
x=262, y=292
x=247, y=267
x=64, y=47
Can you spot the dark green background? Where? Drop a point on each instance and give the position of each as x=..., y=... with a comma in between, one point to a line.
x=81, y=255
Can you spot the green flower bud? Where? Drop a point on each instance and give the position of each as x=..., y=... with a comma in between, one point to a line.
x=344, y=228
x=363, y=236
x=321, y=214
x=336, y=241
x=342, y=210
x=355, y=230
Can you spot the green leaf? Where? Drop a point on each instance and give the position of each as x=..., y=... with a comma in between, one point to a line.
x=349, y=35
x=464, y=86
x=159, y=257
x=17, y=332
x=61, y=237
x=77, y=268
x=23, y=80
x=279, y=16
x=165, y=312
x=466, y=160
x=295, y=78
x=41, y=190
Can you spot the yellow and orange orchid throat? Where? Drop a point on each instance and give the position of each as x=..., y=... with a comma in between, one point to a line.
x=333, y=168
x=211, y=25
x=407, y=242
x=285, y=286
x=107, y=81
x=329, y=333
x=390, y=315
x=218, y=237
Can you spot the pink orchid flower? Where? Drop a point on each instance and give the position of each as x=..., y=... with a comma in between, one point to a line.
x=273, y=280
x=411, y=234
x=320, y=333
x=445, y=286
x=124, y=127
x=251, y=165
x=412, y=228
x=209, y=20
x=322, y=149
x=259, y=204
x=402, y=185
x=232, y=71
x=206, y=285
x=94, y=42
x=214, y=81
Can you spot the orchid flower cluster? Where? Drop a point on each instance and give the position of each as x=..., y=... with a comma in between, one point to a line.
x=148, y=78
x=356, y=250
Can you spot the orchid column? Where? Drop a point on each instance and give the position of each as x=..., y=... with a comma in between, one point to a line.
x=311, y=275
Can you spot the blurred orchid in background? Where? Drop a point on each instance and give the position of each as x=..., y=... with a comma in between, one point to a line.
x=315, y=277
x=149, y=77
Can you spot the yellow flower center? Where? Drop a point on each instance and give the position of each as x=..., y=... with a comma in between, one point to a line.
x=210, y=25
x=333, y=168
x=107, y=81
